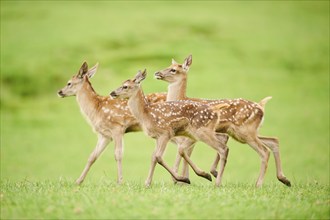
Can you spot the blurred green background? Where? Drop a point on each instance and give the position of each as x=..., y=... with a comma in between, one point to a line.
x=240, y=49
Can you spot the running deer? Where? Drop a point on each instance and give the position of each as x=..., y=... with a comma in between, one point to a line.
x=166, y=120
x=109, y=118
x=241, y=119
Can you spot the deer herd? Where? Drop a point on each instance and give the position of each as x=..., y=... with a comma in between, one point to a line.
x=171, y=116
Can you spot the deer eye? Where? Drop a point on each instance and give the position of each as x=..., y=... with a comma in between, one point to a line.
x=69, y=83
x=125, y=87
x=173, y=70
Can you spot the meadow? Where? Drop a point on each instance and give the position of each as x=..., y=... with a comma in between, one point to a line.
x=246, y=49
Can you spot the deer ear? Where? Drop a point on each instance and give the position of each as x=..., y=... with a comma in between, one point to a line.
x=140, y=76
x=187, y=63
x=174, y=62
x=83, y=70
x=92, y=70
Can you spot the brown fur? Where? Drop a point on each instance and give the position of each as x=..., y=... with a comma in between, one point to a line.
x=109, y=118
x=164, y=121
x=241, y=119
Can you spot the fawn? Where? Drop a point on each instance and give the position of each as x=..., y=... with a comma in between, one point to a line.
x=166, y=120
x=241, y=119
x=109, y=118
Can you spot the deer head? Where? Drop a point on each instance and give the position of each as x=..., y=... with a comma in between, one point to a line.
x=175, y=71
x=130, y=87
x=76, y=82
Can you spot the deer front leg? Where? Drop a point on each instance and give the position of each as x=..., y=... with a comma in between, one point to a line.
x=273, y=145
x=118, y=139
x=102, y=142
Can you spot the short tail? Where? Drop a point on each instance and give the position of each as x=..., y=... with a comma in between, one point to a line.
x=263, y=102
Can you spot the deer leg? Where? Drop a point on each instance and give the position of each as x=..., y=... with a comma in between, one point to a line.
x=213, y=170
x=223, y=160
x=152, y=168
x=157, y=157
x=223, y=151
x=185, y=165
x=118, y=139
x=161, y=145
x=197, y=170
x=178, y=141
x=259, y=147
x=216, y=141
x=176, y=165
x=188, y=144
x=102, y=142
x=273, y=145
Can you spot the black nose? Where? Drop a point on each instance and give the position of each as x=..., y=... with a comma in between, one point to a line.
x=113, y=94
x=60, y=93
x=158, y=75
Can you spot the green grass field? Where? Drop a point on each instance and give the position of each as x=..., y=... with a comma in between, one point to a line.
x=240, y=49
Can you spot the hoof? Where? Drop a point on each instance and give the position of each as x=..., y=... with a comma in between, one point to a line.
x=208, y=177
x=185, y=180
x=78, y=182
x=174, y=180
x=147, y=184
x=285, y=181
x=214, y=173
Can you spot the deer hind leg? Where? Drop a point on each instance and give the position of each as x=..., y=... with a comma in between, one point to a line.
x=213, y=170
x=102, y=142
x=263, y=152
x=273, y=145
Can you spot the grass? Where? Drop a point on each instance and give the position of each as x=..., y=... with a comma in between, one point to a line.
x=107, y=200
x=240, y=49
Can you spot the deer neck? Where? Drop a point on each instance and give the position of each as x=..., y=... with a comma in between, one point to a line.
x=177, y=90
x=138, y=106
x=88, y=101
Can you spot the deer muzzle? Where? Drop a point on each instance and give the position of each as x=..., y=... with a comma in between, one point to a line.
x=60, y=94
x=158, y=75
x=113, y=94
